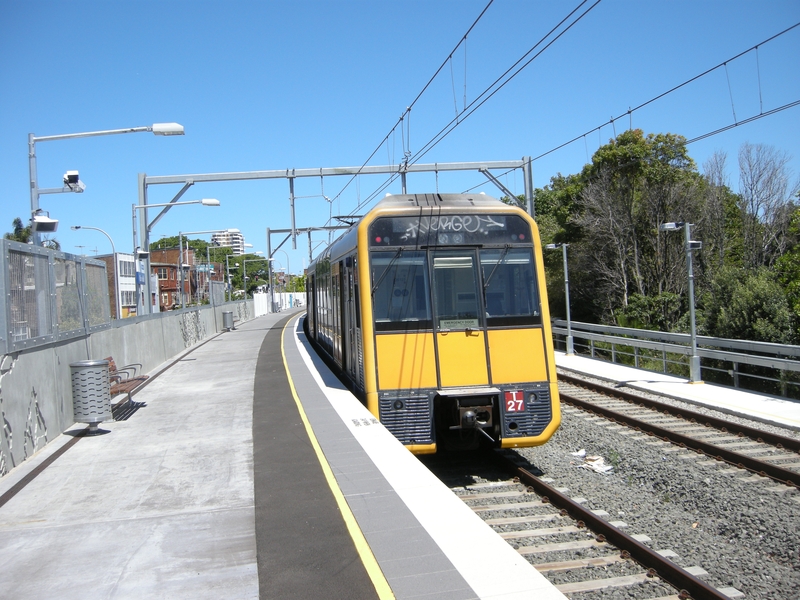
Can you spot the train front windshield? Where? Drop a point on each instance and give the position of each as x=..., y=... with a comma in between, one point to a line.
x=400, y=292
x=502, y=293
x=510, y=289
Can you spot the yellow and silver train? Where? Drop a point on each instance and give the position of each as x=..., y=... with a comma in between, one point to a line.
x=433, y=309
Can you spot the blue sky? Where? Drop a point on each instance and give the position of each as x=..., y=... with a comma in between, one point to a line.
x=264, y=85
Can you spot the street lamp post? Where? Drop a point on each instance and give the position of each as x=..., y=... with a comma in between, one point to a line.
x=180, y=250
x=144, y=253
x=288, y=268
x=71, y=181
x=570, y=346
x=695, y=375
x=117, y=311
x=228, y=271
x=244, y=271
x=208, y=260
x=271, y=285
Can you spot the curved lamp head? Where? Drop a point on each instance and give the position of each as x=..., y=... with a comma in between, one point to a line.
x=43, y=223
x=167, y=129
x=670, y=226
x=209, y=202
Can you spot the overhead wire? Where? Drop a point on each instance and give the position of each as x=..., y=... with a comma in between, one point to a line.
x=490, y=91
x=745, y=121
x=419, y=95
x=496, y=86
x=730, y=91
x=673, y=89
x=500, y=82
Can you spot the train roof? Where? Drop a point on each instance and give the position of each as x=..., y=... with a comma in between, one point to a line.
x=345, y=242
x=438, y=200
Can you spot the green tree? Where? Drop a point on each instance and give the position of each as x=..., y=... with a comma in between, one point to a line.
x=788, y=270
x=20, y=233
x=748, y=305
x=297, y=283
x=172, y=242
x=623, y=270
x=720, y=226
x=766, y=203
x=256, y=270
x=660, y=312
x=634, y=183
x=52, y=243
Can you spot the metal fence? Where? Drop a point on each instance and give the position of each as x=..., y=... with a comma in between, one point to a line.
x=756, y=366
x=48, y=296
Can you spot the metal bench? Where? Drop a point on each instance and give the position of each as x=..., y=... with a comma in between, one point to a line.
x=124, y=380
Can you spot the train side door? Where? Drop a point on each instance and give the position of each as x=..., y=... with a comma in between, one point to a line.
x=459, y=318
x=312, y=306
x=351, y=320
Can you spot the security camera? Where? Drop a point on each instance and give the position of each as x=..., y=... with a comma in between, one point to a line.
x=71, y=177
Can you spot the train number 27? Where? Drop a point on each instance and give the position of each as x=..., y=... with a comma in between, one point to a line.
x=515, y=401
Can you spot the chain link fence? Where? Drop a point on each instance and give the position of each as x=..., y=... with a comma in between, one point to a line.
x=49, y=296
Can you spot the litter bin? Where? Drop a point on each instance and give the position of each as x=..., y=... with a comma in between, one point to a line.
x=91, y=392
x=227, y=320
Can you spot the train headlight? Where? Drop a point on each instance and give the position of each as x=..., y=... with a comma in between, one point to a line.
x=399, y=405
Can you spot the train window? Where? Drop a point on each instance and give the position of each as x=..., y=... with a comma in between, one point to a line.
x=455, y=286
x=400, y=297
x=509, y=284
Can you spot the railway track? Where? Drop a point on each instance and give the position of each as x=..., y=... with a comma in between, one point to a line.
x=747, y=447
x=579, y=550
x=586, y=553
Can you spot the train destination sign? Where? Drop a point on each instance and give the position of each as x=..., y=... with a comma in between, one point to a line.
x=438, y=230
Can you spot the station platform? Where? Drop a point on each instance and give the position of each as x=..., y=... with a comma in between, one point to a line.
x=760, y=407
x=234, y=479
x=246, y=470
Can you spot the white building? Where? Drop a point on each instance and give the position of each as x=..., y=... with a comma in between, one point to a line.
x=121, y=273
x=232, y=238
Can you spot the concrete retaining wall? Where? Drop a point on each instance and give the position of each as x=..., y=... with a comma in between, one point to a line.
x=36, y=386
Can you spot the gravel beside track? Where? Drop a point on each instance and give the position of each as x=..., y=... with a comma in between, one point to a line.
x=741, y=528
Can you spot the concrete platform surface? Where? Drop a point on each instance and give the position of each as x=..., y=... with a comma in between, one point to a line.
x=761, y=407
x=160, y=506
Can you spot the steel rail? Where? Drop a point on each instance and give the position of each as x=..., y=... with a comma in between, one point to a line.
x=689, y=585
x=718, y=452
x=759, y=435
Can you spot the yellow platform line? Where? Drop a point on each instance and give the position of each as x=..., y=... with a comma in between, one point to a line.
x=362, y=547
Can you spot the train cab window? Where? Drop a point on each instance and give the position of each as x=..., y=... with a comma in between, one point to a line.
x=400, y=296
x=455, y=287
x=509, y=285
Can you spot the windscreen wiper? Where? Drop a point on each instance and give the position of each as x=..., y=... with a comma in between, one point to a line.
x=386, y=270
x=497, y=264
